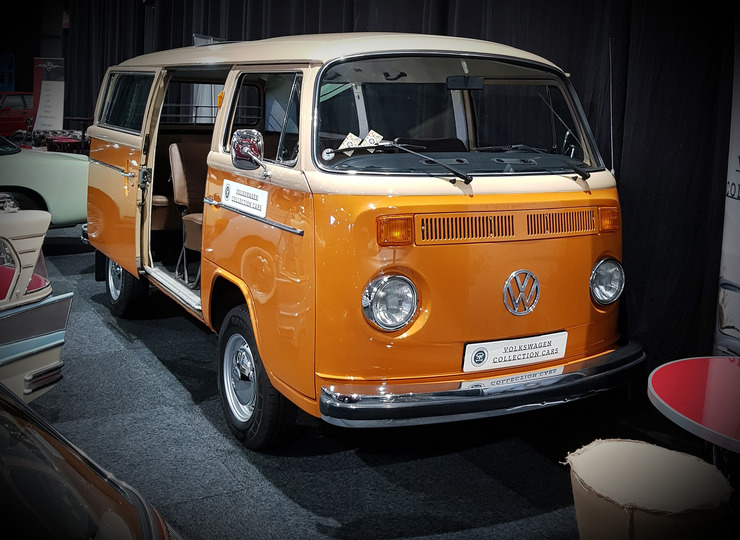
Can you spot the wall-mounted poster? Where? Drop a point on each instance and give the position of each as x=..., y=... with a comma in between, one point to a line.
x=48, y=90
x=727, y=335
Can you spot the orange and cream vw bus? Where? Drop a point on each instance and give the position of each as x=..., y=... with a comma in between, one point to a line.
x=382, y=228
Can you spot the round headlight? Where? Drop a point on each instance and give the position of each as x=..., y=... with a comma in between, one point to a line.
x=389, y=302
x=607, y=281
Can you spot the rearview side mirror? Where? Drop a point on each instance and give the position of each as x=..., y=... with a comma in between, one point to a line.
x=248, y=150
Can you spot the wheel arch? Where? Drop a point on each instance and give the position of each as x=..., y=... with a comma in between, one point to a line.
x=35, y=196
x=227, y=293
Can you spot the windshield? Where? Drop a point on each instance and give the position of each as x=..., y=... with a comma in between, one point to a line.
x=436, y=115
x=7, y=147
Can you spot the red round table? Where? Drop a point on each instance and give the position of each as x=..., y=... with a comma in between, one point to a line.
x=702, y=395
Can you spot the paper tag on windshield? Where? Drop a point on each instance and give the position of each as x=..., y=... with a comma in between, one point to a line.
x=373, y=138
x=351, y=141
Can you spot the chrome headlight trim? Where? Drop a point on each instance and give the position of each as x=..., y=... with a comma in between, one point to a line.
x=375, y=304
x=607, y=281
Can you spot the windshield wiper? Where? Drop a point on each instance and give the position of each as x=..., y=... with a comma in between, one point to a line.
x=584, y=174
x=580, y=171
x=405, y=147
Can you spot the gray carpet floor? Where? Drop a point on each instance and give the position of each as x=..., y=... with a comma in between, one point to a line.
x=140, y=398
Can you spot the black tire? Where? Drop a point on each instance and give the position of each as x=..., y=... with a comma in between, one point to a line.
x=257, y=414
x=27, y=202
x=126, y=293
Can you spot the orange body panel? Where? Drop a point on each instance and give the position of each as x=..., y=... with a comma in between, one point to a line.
x=276, y=267
x=460, y=288
x=112, y=199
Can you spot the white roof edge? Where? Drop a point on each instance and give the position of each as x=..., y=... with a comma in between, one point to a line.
x=321, y=48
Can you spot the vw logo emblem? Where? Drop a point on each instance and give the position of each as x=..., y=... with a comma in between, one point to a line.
x=521, y=292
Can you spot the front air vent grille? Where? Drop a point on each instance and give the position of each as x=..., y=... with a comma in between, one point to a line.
x=561, y=222
x=464, y=228
x=481, y=227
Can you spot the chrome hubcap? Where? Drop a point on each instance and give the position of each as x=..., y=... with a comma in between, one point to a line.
x=115, y=273
x=239, y=378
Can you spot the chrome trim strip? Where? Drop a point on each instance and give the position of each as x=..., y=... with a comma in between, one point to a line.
x=281, y=226
x=118, y=169
x=19, y=350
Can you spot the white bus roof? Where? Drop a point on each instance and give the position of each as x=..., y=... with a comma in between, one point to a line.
x=321, y=48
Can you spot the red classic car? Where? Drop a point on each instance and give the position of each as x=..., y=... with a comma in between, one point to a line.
x=16, y=108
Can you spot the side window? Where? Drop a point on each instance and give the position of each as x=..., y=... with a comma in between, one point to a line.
x=247, y=113
x=125, y=101
x=14, y=102
x=287, y=151
x=269, y=102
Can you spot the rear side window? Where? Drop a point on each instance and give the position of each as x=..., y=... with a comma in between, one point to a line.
x=125, y=101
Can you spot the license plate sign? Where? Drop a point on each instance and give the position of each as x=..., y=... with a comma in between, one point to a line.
x=514, y=352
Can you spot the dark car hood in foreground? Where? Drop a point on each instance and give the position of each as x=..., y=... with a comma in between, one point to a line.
x=51, y=489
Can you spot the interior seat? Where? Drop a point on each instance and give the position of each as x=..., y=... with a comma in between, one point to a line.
x=189, y=171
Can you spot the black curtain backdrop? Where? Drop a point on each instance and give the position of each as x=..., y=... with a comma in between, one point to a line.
x=665, y=68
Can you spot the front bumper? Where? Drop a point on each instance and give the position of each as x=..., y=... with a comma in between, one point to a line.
x=347, y=406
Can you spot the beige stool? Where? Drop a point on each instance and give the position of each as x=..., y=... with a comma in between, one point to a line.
x=635, y=490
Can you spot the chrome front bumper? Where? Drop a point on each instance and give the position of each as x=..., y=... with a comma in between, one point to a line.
x=348, y=406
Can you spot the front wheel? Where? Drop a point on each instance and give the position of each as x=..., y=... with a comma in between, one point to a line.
x=258, y=415
x=126, y=293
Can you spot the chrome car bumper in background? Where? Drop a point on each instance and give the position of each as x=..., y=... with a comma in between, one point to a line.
x=346, y=405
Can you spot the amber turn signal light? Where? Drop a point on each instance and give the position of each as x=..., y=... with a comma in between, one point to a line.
x=608, y=219
x=395, y=230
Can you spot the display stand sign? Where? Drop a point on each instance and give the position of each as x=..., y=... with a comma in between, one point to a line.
x=727, y=335
x=48, y=93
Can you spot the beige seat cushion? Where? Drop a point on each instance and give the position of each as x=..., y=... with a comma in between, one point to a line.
x=193, y=224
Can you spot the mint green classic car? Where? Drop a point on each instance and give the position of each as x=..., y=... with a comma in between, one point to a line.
x=41, y=180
